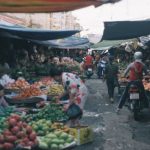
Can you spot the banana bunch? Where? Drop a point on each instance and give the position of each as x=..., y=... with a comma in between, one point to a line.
x=56, y=89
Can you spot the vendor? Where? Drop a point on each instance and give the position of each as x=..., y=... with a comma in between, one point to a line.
x=69, y=81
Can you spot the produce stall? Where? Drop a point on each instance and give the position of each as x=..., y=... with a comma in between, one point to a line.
x=42, y=124
x=146, y=82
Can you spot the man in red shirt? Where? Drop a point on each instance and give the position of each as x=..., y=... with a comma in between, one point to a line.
x=88, y=61
x=135, y=70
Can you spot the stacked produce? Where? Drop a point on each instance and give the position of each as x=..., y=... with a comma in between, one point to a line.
x=6, y=111
x=44, y=82
x=146, y=84
x=18, y=84
x=28, y=92
x=52, y=112
x=56, y=89
x=55, y=141
x=123, y=80
x=3, y=124
x=41, y=127
x=60, y=127
x=17, y=133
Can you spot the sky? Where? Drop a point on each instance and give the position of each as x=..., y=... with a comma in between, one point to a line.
x=91, y=18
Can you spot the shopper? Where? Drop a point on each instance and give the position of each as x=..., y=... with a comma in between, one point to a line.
x=68, y=80
x=76, y=90
x=110, y=74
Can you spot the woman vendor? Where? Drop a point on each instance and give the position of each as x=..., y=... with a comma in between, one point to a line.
x=73, y=85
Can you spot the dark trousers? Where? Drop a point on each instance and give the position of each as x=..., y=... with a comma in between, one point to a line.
x=140, y=86
x=110, y=87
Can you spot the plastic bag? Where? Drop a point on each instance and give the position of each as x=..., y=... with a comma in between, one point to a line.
x=74, y=111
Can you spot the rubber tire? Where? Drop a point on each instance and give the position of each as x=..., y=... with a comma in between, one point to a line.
x=136, y=115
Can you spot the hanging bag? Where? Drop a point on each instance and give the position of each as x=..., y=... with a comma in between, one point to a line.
x=74, y=111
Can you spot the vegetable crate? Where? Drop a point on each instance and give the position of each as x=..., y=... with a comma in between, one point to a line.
x=82, y=134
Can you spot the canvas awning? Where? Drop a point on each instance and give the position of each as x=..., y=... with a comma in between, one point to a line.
x=33, y=34
x=47, y=5
x=66, y=43
x=106, y=44
x=121, y=30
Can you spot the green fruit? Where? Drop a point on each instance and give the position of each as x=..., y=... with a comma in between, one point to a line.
x=55, y=141
x=54, y=147
x=69, y=140
x=45, y=128
x=41, y=133
x=51, y=136
x=61, y=146
x=43, y=145
x=35, y=127
x=58, y=133
x=64, y=135
x=61, y=141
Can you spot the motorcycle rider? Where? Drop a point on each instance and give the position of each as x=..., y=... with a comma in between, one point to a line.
x=88, y=61
x=136, y=70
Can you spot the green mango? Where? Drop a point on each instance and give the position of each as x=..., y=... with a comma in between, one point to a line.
x=64, y=135
x=61, y=146
x=43, y=145
x=55, y=147
x=51, y=136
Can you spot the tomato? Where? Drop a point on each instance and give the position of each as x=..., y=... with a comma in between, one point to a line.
x=32, y=136
x=15, y=130
x=17, y=117
x=28, y=129
x=11, y=139
x=12, y=122
x=7, y=133
x=21, y=134
x=8, y=146
x=25, y=140
x=1, y=138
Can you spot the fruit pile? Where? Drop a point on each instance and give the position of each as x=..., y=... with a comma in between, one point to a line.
x=17, y=133
x=52, y=112
x=19, y=84
x=3, y=124
x=56, y=89
x=41, y=127
x=46, y=81
x=55, y=140
x=29, y=92
x=146, y=85
x=60, y=127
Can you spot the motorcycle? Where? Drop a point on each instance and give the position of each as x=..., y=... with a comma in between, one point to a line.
x=89, y=72
x=135, y=103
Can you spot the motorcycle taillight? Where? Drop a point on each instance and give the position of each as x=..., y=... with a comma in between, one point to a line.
x=133, y=90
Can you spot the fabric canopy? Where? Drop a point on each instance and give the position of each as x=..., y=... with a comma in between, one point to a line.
x=107, y=44
x=47, y=5
x=125, y=29
x=33, y=34
x=67, y=43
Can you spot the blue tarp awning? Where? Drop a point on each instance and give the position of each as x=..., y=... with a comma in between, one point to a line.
x=67, y=43
x=33, y=34
x=121, y=30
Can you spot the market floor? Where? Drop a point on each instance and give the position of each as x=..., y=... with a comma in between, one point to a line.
x=112, y=131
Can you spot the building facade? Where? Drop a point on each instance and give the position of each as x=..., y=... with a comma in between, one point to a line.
x=53, y=21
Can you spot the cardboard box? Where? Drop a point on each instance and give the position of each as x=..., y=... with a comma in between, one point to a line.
x=82, y=134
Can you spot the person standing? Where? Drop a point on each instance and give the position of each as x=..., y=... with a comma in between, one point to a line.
x=111, y=77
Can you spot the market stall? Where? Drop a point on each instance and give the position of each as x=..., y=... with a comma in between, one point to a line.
x=42, y=122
